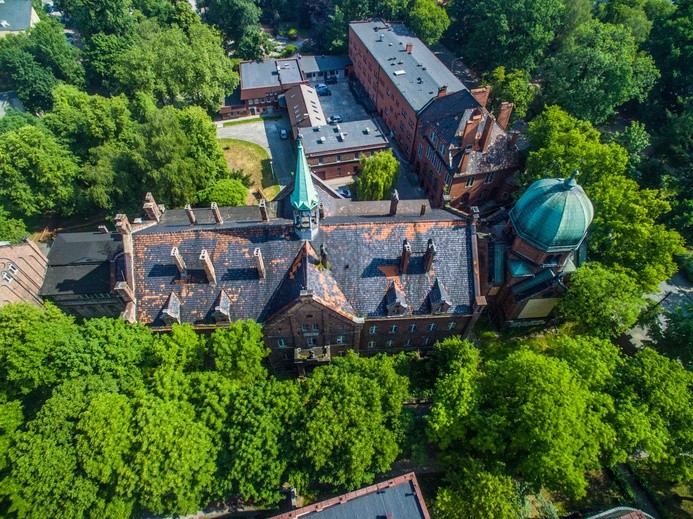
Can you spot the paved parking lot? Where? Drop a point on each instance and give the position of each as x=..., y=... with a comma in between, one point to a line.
x=342, y=102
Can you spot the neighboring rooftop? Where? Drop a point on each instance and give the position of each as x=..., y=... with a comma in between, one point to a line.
x=313, y=64
x=304, y=107
x=270, y=73
x=398, y=498
x=418, y=75
x=16, y=16
x=342, y=136
x=9, y=100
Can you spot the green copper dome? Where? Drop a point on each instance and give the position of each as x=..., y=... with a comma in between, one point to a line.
x=304, y=197
x=553, y=214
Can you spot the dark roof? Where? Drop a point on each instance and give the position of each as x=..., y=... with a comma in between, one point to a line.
x=398, y=498
x=417, y=75
x=91, y=278
x=234, y=99
x=84, y=247
x=17, y=15
x=312, y=64
x=353, y=134
x=270, y=73
x=447, y=113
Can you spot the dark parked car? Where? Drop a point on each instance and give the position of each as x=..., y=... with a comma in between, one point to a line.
x=331, y=80
x=324, y=92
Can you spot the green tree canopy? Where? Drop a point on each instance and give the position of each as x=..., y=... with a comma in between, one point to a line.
x=239, y=351
x=99, y=16
x=33, y=83
x=225, y=192
x=378, y=176
x=11, y=229
x=428, y=20
x=513, y=86
x=599, y=69
x=234, y=18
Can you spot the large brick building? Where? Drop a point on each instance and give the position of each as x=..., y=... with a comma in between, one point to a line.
x=22, y=269
x=455, y=145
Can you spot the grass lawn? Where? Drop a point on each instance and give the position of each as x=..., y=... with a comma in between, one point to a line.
x=604, y=492
x=252, y=120
x=253, y=160
x=674, y=501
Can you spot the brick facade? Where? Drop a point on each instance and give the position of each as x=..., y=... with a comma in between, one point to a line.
x=22, y=269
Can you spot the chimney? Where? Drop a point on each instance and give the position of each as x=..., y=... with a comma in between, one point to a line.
x=394, y=200
x=323, y=256
x=406, y=254
x=442, y=91
x=429, y=255
x=464, y=163
x=217, y=213
x=208, y=266
x=423, y=209
x=191, y=214
x=263, y=210
x=410, y=48
x=180, y=263
x=261, y=272
x=470, y=129
x=123, y=224
x=103, y=229
x=481, y=94
x=321, y=211
x=150, y=208
x=487, y=133
x=475, y=213
x=513, y=139
x=124, y=291
x=504, y=114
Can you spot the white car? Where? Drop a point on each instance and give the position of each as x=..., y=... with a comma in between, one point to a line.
x=283, y=134
x=335, y=119
x=345, y=192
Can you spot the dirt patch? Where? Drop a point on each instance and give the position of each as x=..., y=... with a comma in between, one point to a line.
x=254, y=161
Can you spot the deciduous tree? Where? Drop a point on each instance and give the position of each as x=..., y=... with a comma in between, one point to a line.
x=428, y=20
x=513, y=86
x=378, y=176
x=11, y=229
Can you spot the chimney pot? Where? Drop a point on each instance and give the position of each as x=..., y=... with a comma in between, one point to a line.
x=103, y=229
x=410, y=48
x=487, y=133
x=180, y=263
x=442, y=91
x=429, y=255
x=481, y=94
x=123, y=224
x=217, y=213
x=394, y=201
x=321, y=211
x=124, y=291
x=423, y=209
x=263, y=210
x=208, y=266
x=150, y=208
x=257, y=253
x=406, y=255
x=324, y=260
x=191, y=214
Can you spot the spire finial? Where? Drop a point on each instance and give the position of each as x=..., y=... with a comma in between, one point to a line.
x=571, y=181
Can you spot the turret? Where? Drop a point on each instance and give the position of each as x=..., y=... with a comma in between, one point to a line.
x=304, y=198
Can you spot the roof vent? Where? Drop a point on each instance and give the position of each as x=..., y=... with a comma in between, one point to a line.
x=323, y=140
x=342, y=136
x=389, y=44
x=4, y=23
x=367, y=130
x=399, y=72
x=400, y=62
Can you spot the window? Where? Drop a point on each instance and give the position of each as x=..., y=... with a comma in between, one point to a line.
x=439, y=166
x=320, y=160
x=389, y=344
x=304, y=328
x=432, y=327
x=281, y=343
x=310, y=341
x=489, y=178
x=371, y=344
x=413, y=327
x=426, y=341
x=420, y=152
x=7, y=277
x=470, y=182
x=433, y=137
x=357, y=155
x=341, y=339
x=451, y=325
x=448, y=179
x=12, y=268
x=401, y=126
x=409, y=343
x=373, y=330
x=316, y=327
x=339, y=158
x=429, y=152
x=441, y=148
x=394, y=328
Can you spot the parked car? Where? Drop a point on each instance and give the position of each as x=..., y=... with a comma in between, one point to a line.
x=345, y=192
x=324, y=92
x=321, y=86
x=335, y=119
x=331, y=80
x=283, y=134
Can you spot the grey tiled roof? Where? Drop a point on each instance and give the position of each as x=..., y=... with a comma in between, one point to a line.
x=423, y=73
x=312, y=64
x=258, y=74
x=17, y=14
x=352, y=134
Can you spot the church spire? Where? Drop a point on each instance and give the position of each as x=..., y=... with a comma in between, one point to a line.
x=304, y=198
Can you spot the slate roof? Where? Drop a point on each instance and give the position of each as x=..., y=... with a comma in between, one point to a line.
x=270, y=73
x=398, y=498
x=17, y=14
x=352, y=134
x=420, y=64
x=313, y=64
x=302, y=100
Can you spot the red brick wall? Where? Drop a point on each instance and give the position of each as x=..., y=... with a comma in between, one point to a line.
x=348, y=164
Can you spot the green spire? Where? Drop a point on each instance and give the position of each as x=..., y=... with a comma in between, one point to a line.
x=304, y=196
x=571, y=181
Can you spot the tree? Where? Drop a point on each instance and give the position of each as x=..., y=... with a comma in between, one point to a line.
x=634, y=139
x=428, y=20
x=234, y=18
x=101, y=55
x=513, y=86
x=225, y=192
x=36, y=173
x=254, y=45
x=99, y=16
x=521, y=31
x=675, y=338
x=602, y=302
x=32, y=82
x=599, y=70
x=12, y=230
x=239, y=351
x=378, y=176
x=629, y=13
x=51, y=50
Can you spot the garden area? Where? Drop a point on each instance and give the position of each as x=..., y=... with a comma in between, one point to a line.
x=255, y=162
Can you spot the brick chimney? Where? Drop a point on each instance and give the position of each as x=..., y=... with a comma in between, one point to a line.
x=191, y=214
x=442, y=91
x=394, y=200
x=513, y=139
x=481, y=94
x=180, y=263
x=123, y=224
x=124, y=291
x=406, y=255
x=321, y=211
x=429, y=255
x=464, y=163
x=263, y=210
x=487, y=134
x=150, y=208
x=261, y=272
x=410, y=48
x=103, y=229
x=423, y=209
x=504, y=114
x=217, y=213
x=208, y=266
x=470, y=129
x=324, y=260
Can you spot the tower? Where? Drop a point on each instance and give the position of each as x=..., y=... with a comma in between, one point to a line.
x=304, y=198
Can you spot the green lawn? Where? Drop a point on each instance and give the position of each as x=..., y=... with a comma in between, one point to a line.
x=252, y=120
x=254, y=160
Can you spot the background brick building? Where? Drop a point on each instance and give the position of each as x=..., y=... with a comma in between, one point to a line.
x=22, y=269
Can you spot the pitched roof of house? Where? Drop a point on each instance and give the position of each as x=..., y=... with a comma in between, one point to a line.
x=398, y=498
x=16, y=14
x=333, y=137
x=313, y=64
x=417, y=75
